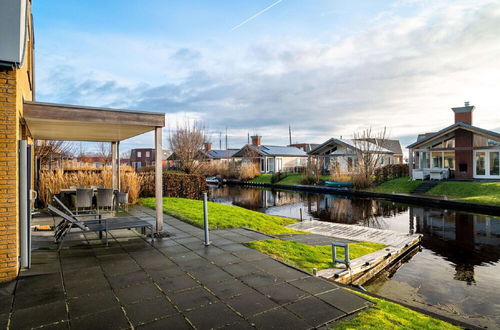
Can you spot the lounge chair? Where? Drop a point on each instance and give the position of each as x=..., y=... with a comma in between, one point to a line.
x=71, y=221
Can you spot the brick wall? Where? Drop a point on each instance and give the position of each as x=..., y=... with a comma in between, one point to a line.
x=8, y=176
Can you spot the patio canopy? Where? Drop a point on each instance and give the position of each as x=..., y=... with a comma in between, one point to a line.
x=51, y=121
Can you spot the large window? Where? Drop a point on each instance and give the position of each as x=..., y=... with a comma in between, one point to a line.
x=449, y=160
x=494, y=163
x=425, y=161
x=437, y=159
x=480, y=163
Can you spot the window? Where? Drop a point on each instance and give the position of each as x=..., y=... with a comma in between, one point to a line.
x=279, y=164
x=437, y=159
x=480, y=163
x=148, y=154
x=139, y=154
x=425, y=161
x=494, y=163
x=449, y=160
x=262, y=165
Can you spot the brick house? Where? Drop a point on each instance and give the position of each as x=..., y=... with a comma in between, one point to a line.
x=142, y=157
x=463, y=150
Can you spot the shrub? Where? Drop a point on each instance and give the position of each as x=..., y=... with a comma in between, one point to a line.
x=54, y=181
x=277, y=177
x=309, y=180
x=174, y=185
x=389, y=172
x=248, y=171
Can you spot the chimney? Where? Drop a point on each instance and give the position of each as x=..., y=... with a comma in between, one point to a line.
x=464, y=114
x=208, y=146
x=256, y=140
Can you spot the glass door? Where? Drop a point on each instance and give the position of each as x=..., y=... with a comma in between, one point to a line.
x=494, y=163
x=480, y=163
x=487, y=164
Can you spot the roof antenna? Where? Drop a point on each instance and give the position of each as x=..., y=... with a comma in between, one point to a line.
x=226, y=137
x=290, y=133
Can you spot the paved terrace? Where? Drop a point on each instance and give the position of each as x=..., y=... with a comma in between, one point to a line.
x=175, y=284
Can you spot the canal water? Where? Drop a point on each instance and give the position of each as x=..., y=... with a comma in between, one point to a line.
x=457, y=271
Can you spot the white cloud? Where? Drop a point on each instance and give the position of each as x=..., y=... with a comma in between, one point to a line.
x=403, y=72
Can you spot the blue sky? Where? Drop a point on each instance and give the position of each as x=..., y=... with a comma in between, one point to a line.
x=328, y=68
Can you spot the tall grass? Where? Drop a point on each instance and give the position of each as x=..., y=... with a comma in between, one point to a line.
x=54, y=181
x=229, y=170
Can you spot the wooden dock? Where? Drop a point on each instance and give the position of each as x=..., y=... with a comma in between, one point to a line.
x=366, y=267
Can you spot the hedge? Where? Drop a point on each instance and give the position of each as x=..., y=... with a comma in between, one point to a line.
x=389, y=172
x=174, y=185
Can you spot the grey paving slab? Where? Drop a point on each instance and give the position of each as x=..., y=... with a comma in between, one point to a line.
x=149, y=310
x=39, y=315
x=283, y=293
x=193, y=298
x=212, y=316
x=279, y=319
x=251, y=303
x=230, y=289
x=177, y=322
x=344, y=300
x=314, y=311
x=179, y=283
x=314, y=285
x=138, y=292
x=97, y=302
x=259, y=278
x=107, y=319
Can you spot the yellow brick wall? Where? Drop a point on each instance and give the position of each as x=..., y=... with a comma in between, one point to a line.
x=8, y=176
x=16, y=86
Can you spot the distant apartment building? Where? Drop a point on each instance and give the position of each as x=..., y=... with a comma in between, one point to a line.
x=144, y=157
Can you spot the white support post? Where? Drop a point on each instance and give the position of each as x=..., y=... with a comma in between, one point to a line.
x=159, y=179
x=113, y=165
x=118, y=163
x=410, y=164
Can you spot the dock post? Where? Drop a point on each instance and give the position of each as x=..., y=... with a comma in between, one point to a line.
x=344, y=261
x=301, y=214
x=205, y=219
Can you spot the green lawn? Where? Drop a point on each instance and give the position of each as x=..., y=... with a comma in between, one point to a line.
x=263, y=178
x=388, y=315
x=306, y=256
x=291, y=179
x=397, y=186
x=472, y=192
x=222, y=216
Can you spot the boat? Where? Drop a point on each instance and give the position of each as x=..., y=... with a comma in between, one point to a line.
x=213, y=180
x=338, y=184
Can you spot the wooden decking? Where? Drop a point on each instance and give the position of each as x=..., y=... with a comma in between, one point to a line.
x=364, y=268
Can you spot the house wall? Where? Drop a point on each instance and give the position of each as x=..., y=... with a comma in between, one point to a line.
x=463, y=139
x=15, y=86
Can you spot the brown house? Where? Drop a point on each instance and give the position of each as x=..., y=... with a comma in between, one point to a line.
x=461, y=150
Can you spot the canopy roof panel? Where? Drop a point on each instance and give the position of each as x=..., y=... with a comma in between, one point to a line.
x=50, y=121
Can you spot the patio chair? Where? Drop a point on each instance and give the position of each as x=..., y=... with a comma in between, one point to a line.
x=123, y=197
x=96, y=187
x=70, y=222
x=104, y=198
x=83, y=199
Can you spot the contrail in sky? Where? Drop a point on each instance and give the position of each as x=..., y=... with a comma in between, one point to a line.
x=256, y=15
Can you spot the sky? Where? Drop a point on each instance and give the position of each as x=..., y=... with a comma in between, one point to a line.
x=327, y=68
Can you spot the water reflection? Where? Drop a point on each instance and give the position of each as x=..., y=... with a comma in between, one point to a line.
x=459, y=263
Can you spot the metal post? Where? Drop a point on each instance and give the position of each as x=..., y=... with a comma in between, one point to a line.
x=205, y=219
x=300, y=214
x=159, y=179
x=24, y=209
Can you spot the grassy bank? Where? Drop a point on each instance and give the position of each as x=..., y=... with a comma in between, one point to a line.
x=471, y=192
x=222, y=216
x=388, y=315
x=290, y=179
x=306, y=256
x=397, y=186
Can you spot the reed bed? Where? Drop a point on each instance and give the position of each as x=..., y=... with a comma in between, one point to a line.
x=54, y=181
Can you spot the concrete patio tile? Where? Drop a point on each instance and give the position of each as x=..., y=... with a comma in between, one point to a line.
x=199, y=265
x=208, y=251
x=240, y=269
x=230, y=289
x=183, y=258
x=250, y=255
x=92, y=304
x=240, y=325
x=27, y=300
x=282, y=293
x=124, y=280
x=224, y=259
x=176, y=322
x=88, y=287
x=178, y=283
x=137, y=292
x=36, y=316
x=344, y=300
x=212, y=276
x=314, y=285
x=251, y=303
x=193, y=298
x=39, y=283
x=63, y=325
x=4, y=319
x=212, y=316
x=172, y=271
x=259, y=278
x=278, y=319
x=314, y=311
x=233, y=247
x=149, y=310
x=107, y=319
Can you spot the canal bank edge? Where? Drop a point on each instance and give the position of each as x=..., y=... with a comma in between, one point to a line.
x=412, y=199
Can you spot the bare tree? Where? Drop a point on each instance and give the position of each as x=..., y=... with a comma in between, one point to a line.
x=187, y=142
x=47, y=151
x=104, y=152
x=369, y=152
